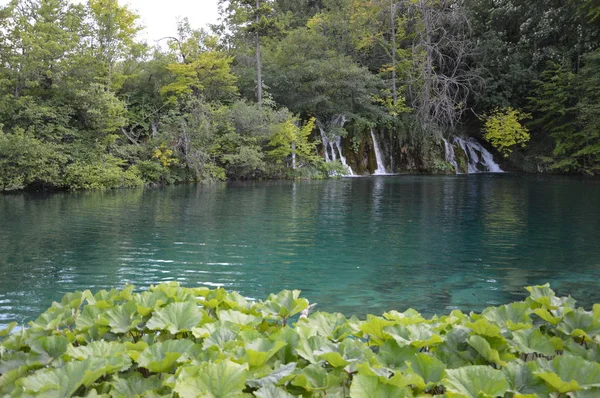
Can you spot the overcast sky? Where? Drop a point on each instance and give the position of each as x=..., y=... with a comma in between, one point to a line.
x=160, y=16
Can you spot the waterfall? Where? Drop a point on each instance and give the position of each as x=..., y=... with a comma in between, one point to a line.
x=450, y=154
x=330, y=146
x=380, y=166
x=476, y=155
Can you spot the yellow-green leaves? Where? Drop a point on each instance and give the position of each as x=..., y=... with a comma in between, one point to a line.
x=176, y=317
x=475, y=382
x=503, y=129
x=214, y=343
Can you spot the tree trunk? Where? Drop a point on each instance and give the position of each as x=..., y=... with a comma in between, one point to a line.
x=259, y=93
x=394, y=50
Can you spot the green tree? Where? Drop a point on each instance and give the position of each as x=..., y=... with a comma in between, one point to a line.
x=504, y=130
x=292, y=142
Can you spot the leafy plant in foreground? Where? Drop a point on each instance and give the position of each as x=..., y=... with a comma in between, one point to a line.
x=172, y=341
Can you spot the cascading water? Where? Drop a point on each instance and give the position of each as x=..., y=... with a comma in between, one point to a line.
x=450, y=154
x=330, y=146
x=380, y=166
x=479, y=159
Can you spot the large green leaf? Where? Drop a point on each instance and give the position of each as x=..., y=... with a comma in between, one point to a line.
x=419, y=336
x=430, y=369
x=484, y=349
x=570, y=373
x=581, y=324
x=259, y=351
x=394, y=356
x=122, y=318
x=369, y=386
x=54, y=346
x=134, y=386
x=533, y=341
x=512, y=316
x=274, y=377
x=146, y=302
x=219, y=380
x=332, y=326
x=284, y=304
x=374, y=327
x=176, y=317
x=272, y=391
x=315, y=378
x=239, y=318
x=522, y=379
x=472, y=381
x=163, y=357
x=63, y=382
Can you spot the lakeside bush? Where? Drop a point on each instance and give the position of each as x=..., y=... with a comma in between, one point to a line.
x=172, y=341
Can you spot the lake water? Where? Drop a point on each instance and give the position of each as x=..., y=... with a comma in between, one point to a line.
x=357, y=245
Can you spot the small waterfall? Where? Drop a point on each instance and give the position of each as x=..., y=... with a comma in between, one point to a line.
x=330, y=146
x=380, y=166
x=450, y=154
x=476, y=154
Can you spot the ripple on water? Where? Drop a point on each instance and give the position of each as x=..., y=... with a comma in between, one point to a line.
x=356, y=246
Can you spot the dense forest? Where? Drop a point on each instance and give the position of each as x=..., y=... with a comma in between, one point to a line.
x=295, y=89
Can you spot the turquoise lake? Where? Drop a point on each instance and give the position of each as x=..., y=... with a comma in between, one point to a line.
x=354, y=245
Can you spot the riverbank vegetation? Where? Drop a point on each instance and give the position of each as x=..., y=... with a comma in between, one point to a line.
x=293, y=89
x=172, y=341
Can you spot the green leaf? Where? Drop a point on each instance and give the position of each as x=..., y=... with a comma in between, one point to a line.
x=522, y=379
x=122, y=318
x=513, y=316
x=65, y=381
x=533, y=341
x=557, y=384
x=134, y=386
x=6, y=331
x=163, y=357
x=418, y=336
x=274, y=377
x=580, y=323
x=394, y=356
x=239, y=318
x=315, y=378
x=368, y=386
x=471, y=381
x=430, y=369
x=259, y=351
x=54, y=346
x=374, y=327
x=176, y=317
x=284, y=304
x=484, y=349
x=146, y=302
x=571, y=373
x=270, y=391
x=483, y=327
x=332, y=326
x=220, y=380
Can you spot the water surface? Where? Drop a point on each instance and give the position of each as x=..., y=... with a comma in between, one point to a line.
x=362, y=245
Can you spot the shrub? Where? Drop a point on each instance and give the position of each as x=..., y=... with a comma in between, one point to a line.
x=195, y=342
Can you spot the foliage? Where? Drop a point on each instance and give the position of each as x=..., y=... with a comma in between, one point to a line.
x=289, y=138
x=190, y=342
x=503, y=129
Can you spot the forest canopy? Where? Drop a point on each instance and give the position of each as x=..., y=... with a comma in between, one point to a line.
x=291, y=89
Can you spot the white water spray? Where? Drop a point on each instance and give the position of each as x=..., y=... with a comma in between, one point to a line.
x=476, y=155
x=331, y=146
x=380, y=165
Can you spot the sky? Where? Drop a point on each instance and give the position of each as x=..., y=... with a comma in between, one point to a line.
x=160, y=16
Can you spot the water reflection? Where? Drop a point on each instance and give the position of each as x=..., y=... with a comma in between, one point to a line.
x=352, y=245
